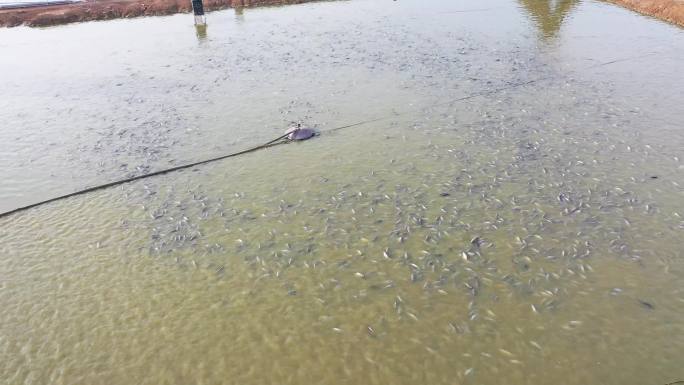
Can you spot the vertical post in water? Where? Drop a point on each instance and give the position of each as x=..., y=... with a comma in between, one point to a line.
x=198, y=10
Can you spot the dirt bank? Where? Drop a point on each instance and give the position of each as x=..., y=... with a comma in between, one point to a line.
x=114, y=9
x=669, y=10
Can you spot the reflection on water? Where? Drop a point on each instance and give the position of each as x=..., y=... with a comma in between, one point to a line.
x=239, y=14
x=531, y=235
x=201, y=31
x=549, y=14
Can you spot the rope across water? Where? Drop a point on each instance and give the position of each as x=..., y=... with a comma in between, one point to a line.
x=279, y=140
x=283, y=138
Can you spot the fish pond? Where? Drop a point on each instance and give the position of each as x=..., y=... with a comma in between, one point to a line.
x=509, y=209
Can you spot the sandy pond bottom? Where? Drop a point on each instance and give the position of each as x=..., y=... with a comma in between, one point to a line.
x=529, y=235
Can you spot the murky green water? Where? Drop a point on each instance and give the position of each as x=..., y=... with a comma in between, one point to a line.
x=529, y=235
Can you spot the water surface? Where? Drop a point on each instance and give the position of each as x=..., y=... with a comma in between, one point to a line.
x=516, y=215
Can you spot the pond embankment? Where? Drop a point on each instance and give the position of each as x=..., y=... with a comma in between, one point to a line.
x=668, y=10
x=40, y=16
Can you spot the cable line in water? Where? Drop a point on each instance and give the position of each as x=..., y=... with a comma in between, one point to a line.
x=274, y=142
x=283, y=139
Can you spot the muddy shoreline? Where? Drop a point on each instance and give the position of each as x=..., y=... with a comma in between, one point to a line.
x=668, y=10
x=115, y=9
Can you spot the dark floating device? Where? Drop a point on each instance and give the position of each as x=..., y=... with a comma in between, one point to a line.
x=300, y=133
